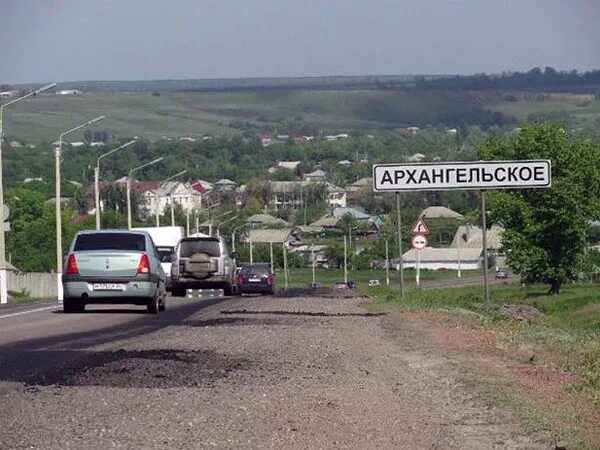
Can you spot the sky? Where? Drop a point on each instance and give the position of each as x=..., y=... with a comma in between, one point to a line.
x=69, y=40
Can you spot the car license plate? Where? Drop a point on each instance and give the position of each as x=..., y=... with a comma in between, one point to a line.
x=254, y=280
x=108, y=287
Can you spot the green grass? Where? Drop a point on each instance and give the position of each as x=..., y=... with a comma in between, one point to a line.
x=196, y=114
x=582, y=113
x=20, y=297
x=181, y=114
x=569, y=327
x=302, y=277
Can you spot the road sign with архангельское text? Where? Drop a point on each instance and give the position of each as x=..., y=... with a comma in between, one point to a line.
x=480, y=175
x=458, y=175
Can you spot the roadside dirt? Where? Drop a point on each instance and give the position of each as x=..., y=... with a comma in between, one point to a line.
x=255, y=372
x=531, y=373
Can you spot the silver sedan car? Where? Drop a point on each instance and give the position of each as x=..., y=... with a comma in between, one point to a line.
x=112, y=267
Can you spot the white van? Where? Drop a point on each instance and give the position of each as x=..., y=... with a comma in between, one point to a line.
x=166, y=240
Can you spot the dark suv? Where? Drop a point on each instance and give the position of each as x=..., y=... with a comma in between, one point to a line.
x=256, y=278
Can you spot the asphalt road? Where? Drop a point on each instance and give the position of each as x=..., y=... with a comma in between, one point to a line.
x=250, y=372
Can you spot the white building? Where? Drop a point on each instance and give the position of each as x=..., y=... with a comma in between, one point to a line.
x=266, y=140
x=337, y=197
x=417, y=157
x=444, y=258
x=69, y=92
x=170, y=192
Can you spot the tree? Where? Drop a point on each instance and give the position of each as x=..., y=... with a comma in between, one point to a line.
x=545, y=235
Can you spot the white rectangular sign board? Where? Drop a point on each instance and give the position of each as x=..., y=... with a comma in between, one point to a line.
x=461, y=175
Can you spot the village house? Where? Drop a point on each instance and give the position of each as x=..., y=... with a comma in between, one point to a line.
x=280, y=236
x=288, y=165
x=289, y=193
x=360, y=186
x=443, y=258
x=188, y=195
x=260, y=220
x=316, y=176
x=225, y=184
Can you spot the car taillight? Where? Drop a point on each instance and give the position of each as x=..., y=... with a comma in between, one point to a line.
x=72, y=268
x=239, y=279
x=270, y=279
x=144, y=265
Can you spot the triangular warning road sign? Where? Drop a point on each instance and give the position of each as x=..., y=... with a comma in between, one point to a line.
x=420, y=227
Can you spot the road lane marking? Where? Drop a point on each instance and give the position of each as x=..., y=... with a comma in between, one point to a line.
x=5, y=316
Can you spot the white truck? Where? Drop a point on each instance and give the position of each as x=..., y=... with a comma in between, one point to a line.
x=166, y=240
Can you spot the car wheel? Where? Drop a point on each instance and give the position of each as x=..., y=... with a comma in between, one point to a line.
x=69, y=306
x=178, y=291
x=153, y=305
x=229, y=289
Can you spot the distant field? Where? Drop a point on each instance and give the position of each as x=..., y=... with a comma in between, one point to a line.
x=196, y=114
x=582, y=113
x=182, y=114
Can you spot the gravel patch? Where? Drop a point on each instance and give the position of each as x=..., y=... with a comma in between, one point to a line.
x=258, y=372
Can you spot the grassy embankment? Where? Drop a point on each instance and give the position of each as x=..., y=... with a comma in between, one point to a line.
x=303, y=277
x=563, y=340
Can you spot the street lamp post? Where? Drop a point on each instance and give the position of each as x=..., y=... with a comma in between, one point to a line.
x=97, y=180
x=57, y=151
x=135, y=169
x=3, y=281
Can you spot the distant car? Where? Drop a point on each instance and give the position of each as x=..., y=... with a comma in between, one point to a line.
x=255, y=278
x=344, y=285
x=113, y=266
x=501, y=274
x=374, y=283
x=315, y=285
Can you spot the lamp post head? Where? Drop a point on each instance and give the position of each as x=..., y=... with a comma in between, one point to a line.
x=97, y=119
x=44, y=88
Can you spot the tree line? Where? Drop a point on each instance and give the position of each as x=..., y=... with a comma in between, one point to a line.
x=534, y=79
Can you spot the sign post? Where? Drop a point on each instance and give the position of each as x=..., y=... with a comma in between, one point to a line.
x=401, y=265
x=460, y=175
x=486, y=286
x=387, y=264
x=419, y=242
x=420, y=230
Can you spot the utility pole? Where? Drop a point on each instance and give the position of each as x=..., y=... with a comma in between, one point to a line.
x=486, y=286
x=312, y=257
x=345, y=259
x=387, y=264
x=401, y=266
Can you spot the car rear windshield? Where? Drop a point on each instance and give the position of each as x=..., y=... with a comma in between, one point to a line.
x=111, y=241
x=208, y=246
x=255, y=270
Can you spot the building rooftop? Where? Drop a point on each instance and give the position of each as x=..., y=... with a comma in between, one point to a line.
x=440, y=212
